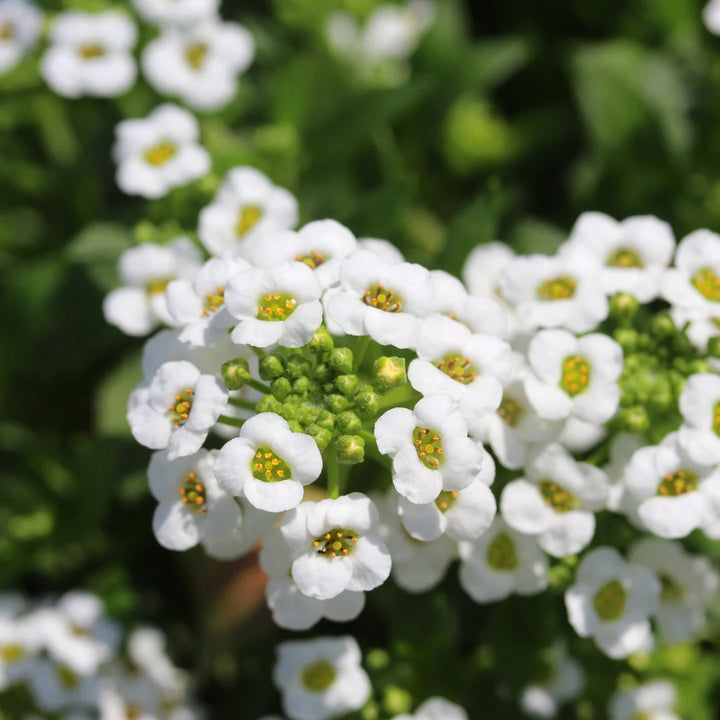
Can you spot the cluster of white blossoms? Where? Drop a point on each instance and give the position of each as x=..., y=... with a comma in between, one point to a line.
x=75, y=663
x=283, y=365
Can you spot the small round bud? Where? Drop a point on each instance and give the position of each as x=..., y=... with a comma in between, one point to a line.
x=350, y=449
x=336, y=403
x=698, y=365
x=268, y=403
x=321, y=435
x=270, y=367
x=635, y=419
x=295, y=426
x=396, y=700
x=627, y=338
x=347, y=384
x=321, y=341
x=301, y=386
x=340, y=361
x=348, y=423
x=281, y=388
x=661, y=397
x=367, y=401
x=326, y=420
x=682, y=345
x=298, y=366
x=662, y=325
x=623, y=306
x=390, y=372
x=235, y=373
x=322, y=372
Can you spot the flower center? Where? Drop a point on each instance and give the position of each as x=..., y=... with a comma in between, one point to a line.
x=381, y=298
x=268, y=467
x=511, y=411
x=678, y=483
x=625, y=257
x=248, y=217
x=11, y=653
x=458, y=368
x=91, y=51
x=312, y=259
x=428, y=446
x=558, y=288
x=338, y=541
x=319, y=676
x=279, y=306
x=575, y=375
x=180, y=409
x=67, y=677
x=160, y=153
x=670, y=590
x=195, y=55
x=133, y=712
x=213, y=301
x=193, y=494
x=609, y=601
x=7, y=31
x=716, y=419
x=707, y=283
x=157, y=286
x=502, y=553
x=445, y=500
x=557, y=497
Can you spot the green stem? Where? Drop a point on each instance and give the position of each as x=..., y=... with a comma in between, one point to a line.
x=371, y=449
x=227, y=420
x=333, y=471
x=258, y=351
x=359, y=351
x=257, y=385
x=242, y=403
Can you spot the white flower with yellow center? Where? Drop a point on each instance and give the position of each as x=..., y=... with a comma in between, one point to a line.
x=145, y=272
x=500, y=563
x=19, y=644
x=321, y=678
x=20, y=24
x=651, y=701
x=700, y=407
x=687, y=584
x=280, y=305
x=322, y=245
x=246, y=206
x=574, y=376
x=436, y=708
x=158, y=153
x=90, y=54
x=382, y=300
x=556, y=501
x=631, y=256
x=56, y=686
x=559, y=291
x=564, y=681
x=146, y=649
x=336, y=546
x=180, y=12
x=668, y=493
x=269, y=464
x=700, y=323
x=470, y=368
x=198, y=303
x=430, y=448
x=612, y=601
x=177, y=409
x=290, y=608
x=200, y=63
x=483, y=267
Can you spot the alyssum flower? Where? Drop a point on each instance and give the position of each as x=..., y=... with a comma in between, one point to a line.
x=20, y=23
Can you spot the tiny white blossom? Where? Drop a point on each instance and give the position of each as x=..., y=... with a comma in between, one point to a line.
x=55, y=687
x=483, y=267
x=652, y=701
x=20, y=23
x=436, y=708
x=699, y=405
x=564, y=682
x=90, y=54
x=180, y=12
x=19, y=644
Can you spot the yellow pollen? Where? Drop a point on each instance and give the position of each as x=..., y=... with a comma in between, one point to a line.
x=91, y=51
x=249, y=216
x=195, y=55
x=558, y=288
x=161, y=153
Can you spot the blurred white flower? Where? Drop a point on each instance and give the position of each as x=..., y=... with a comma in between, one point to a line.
x=20, y=24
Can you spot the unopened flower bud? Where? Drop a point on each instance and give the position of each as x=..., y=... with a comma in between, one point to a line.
x=396, y=700
x=295, y=426
x=281, y=388
x=321, y=435
x=635, y=419
x=350, y=449
x=340, y=361
x=321, y=372
x=662, y=325
x=301, y=386
x=661, y=396
x=627, y=338
x=348, y=423
x=390, y=372
x=270, y=367
x=336, y=403
x=235, y=373
x=623, y=306
x=347, y=384
x=298, y=366
x=326, y=420
x=367, y=401
x=321, y=341
x=269, y=403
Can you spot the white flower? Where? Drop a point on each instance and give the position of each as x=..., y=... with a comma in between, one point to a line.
x=470, y=368
x=651, y=701
x=382, y=248
x=564, y=682
x=695, y=280
x=55, y=687
x=699, y=404
x=280, y=305
x=145, y=271
x=336, y=546
x=502, y=562
x=556, y=501
x=320, y=679
x=611, y=601
x=125, y=694
x=269, y=464
x=200, y=63
x=146, y=650
x=687, y=584
x=574, y=376
x=436, y=708
x=560, y=291
x=180, y=12
x=246, y=206
x=20, y=23
x=579, y=436
x=159, y=152
x=483, y=267
x=322, y=245
x=291, y=608
x=385, y=301
x=430, y=448
x=19, y=643
x=667, y=492
x=177, y=409
x=702, y=321
x=198, y=303
x=630, y=256
x=90, y=54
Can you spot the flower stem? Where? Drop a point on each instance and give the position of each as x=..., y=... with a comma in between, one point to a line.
x=333, y=471
x=257, y=385
x=359, y=351
x=258, y=351
x=227, y=420
x=242, y=403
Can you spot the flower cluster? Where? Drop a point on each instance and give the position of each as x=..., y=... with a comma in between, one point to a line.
x=74, y=663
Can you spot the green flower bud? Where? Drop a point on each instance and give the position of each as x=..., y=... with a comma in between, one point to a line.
x=682, y=345
x=321, y=435
x=340, y=361
x=336, y=403
x=623, y=306
x=301, y=386
x=298, y=366
x=350, y=449
x=348, y=423
x=326, y=420
x=269, y=403
x=661, y=396
x=713, y=347
x=347, y=384
x=321, y=341
x=662, y=325
x=235, y=373
x=270, y=367
x=295, y=426
x=627, y=338
x=390, y=372
x=396, y=700
x=281, y=388
x=698, y=365
x=635, y=419
x=367, y=401
x=322, y=372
